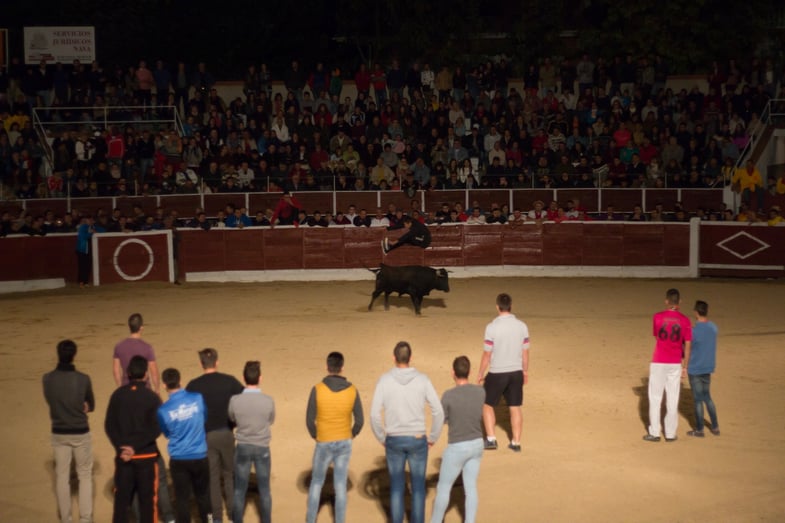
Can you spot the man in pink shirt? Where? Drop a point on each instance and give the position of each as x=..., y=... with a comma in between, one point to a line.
x=132, y=346
x=673, y=332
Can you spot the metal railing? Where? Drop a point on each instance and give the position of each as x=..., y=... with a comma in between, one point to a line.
x=101, y=117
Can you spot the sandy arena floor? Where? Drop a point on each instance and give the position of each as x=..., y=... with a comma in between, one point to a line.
x=583, y=458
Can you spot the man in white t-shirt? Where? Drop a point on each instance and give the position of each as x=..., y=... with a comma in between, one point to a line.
x=380, y=220
x=506, y=358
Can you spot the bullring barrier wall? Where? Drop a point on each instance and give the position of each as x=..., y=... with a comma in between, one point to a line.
x=603, y=249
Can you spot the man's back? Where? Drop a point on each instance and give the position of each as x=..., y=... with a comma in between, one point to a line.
x=671, y=329
x=506, y=337
x=331, y=406
x=217, y=389
x=254, y=413
x=182, y=420
x=130, y=347
x=131, y=418
x=463, y=412
x=704, y=348
x=66, y=392
x=402, y=393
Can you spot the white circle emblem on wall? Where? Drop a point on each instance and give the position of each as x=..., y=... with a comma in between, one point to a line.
x=151, y=259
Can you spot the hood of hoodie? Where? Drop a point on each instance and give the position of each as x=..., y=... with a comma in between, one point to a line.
x=336, y=383
x=404, y=375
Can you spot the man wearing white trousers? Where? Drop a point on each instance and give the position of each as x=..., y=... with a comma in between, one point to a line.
x=673, y=334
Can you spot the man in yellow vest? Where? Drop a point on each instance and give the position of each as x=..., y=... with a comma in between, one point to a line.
x=333, y=418
x=748, y=181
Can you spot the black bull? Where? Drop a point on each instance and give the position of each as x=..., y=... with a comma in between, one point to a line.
x=413, y=280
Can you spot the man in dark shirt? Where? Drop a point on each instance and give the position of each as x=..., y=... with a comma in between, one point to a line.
x=69, y=394
x=416, y=234
x=132, y=427
x=217, y=388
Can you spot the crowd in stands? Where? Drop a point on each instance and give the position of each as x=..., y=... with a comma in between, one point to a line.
x=579, y=123
x=234, y=216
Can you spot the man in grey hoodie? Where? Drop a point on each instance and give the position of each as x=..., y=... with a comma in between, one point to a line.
x=401, y=394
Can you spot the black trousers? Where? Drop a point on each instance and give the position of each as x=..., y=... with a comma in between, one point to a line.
x=137, y=476
x=187, y=475
x=84, y=263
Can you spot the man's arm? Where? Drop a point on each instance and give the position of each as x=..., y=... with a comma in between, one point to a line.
x=310, y=413
x=359, y=418
x=437, y=413
x=155, y=378
x=162, y=422
x=376, y=414
x=686, y=362
x=525, y=366
x=484, y=364
x=117, y=371
x=89, y=399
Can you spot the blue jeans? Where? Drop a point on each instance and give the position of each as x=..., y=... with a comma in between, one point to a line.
x=459, y=457
x=700, y=383
x=399, y=450
x=260, y=457
x=337, y=453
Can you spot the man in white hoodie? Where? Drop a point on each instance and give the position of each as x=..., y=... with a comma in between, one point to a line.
x=402, y=394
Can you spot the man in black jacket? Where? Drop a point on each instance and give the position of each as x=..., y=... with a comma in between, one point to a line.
x=217, y=389
x=132, y=427
x=69, y=394
x=416, y=234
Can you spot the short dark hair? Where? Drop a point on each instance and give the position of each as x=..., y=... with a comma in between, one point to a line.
x=334, y=362
x=407, y=219
x=673, y=296
x=504, y=302
x=461, y=366
x=702, y=308
x=251, y=372
x=137, y=368
x=135, y=322
x=66, y=350
x=208, y=357
x=402, y=352
x=171, y=378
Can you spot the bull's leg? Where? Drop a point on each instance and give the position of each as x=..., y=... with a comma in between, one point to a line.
x=373, y=297
x=417, y=301
x=387, y=301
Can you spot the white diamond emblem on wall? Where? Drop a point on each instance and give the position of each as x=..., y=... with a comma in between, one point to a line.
x=743, y=245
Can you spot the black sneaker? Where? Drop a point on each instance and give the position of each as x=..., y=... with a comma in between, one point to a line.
x=515, y=447
x=491, y=444
x=649, y=437
x=695, y=433
x=716, y=432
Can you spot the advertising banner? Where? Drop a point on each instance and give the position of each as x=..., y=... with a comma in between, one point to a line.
x=59, y=44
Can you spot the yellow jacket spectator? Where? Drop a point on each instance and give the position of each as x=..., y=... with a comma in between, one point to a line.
x=747, y=177
x=747, y=181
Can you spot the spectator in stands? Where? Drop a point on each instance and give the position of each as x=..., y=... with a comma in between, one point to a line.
x=747, y=181
x=476, y=218
x=610, y=214
x=286, y=211
x=238, y=219
x=379, y=219
x=538, y=213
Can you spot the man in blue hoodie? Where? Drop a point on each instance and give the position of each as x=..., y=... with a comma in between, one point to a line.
x=182, y=420
x=402, y=394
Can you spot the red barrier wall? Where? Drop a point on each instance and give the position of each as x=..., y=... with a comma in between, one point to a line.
x=722, y=249
x=140, y=257
x=742, y=250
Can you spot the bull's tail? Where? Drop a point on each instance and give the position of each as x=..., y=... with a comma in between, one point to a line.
x=375, y=271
